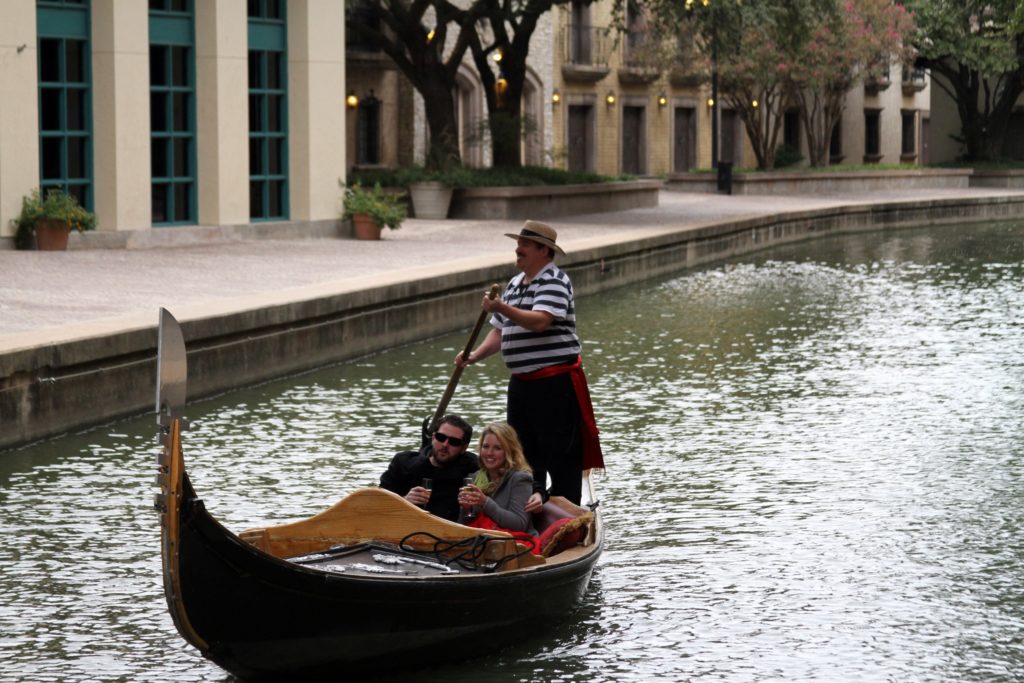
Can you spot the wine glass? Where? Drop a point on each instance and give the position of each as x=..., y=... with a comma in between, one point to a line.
x=472, y=511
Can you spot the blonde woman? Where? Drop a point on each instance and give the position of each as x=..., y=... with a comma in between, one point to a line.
x=501, y=486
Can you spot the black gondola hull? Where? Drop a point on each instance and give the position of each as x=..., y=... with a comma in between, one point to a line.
x=266, y=618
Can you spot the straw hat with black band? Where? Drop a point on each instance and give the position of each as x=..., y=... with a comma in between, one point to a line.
x=539, y=233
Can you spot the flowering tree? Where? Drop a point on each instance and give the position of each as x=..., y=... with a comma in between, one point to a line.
x=975, y=50
x=755, y=80
x=848, y=41
x=776, y=52
x=745, y=45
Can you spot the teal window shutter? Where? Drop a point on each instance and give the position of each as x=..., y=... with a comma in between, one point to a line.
x=268, y=111
x=65, y=98
x=172, y=100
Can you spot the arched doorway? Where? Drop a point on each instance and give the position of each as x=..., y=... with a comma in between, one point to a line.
x=469, y=114
x=534, y=125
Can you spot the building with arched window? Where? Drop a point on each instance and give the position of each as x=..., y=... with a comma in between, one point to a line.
x=402, y=133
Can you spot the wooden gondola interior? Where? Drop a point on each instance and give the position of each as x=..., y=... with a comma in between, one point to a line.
x=379, y=516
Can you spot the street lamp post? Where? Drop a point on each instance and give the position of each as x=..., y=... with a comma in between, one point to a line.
x=714, y=89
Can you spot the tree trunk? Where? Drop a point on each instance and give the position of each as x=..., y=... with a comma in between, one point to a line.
x=820, y=112
x=762, y=123
x=417, y=52
x=504, y=92
x=984, y=117
x=439, y=106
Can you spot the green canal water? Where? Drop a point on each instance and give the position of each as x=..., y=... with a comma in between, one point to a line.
x=815, y=472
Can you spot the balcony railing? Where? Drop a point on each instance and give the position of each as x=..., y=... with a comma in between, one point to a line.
x=876, y=84
x=585, y=52
x=635, y=50
x=639, y=64
x=914, y=80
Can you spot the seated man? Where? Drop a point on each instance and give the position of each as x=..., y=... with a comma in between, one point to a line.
x=445, y=461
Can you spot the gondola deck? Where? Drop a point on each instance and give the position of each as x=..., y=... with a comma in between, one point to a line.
x=378, y=559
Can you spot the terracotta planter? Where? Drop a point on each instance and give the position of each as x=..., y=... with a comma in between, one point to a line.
x=430, y=199
x=52, y=235
x=365, y=227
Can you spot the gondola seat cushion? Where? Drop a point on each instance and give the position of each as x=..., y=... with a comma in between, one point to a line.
x=563, y=534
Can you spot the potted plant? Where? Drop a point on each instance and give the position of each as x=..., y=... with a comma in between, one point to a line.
x=50, y=218
x=430, y=189
x=372, y=210
x=430, y=198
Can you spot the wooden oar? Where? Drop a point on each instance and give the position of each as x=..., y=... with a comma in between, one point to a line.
x=457, y=373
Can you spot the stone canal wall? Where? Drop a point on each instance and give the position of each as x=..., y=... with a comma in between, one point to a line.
x=76, y=381
x=549, y=201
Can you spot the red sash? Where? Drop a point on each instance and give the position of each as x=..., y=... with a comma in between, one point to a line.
x=592, y=456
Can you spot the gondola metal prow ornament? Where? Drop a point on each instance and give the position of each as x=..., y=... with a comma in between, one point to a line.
x=171, y=390
x=171, y=370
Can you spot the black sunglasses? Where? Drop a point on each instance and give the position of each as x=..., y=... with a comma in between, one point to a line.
x=453, y=440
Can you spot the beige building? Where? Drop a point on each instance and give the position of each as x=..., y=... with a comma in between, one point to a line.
x=165, y=113
x=615, y=113
x=886, y=121
x=162, y=113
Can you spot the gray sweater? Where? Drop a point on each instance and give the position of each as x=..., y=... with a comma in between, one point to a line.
x=507, y=505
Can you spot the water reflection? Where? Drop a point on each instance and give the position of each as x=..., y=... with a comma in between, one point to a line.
x=814, y=474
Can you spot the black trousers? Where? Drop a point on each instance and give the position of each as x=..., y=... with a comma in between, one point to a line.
x=546, y=416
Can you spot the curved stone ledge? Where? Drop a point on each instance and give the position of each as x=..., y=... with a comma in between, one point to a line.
x=814, y=182
x=1008, y=178
x=549, y=201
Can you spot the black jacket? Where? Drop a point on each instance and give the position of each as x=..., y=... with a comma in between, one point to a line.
x=409, y=468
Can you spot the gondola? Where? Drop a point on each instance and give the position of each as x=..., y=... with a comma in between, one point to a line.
x=371, y=584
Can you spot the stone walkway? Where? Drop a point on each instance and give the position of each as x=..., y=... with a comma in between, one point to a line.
x=51, y=296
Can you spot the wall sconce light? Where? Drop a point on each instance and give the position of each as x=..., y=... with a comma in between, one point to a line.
x=755, y=104
x=497, y=56
x=662, y=100
x=556, y=97
x=610, y=98
x=352, y=101
x=430, y=37
x=711, y=102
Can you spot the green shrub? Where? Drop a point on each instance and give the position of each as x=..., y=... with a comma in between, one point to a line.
x=787, y=155
x=56, y=204
x=460, y=176
x=386, y=208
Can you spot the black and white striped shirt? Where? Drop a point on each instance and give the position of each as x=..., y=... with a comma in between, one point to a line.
x=526, y=351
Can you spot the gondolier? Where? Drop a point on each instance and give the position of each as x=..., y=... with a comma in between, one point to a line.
x=534, y=327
